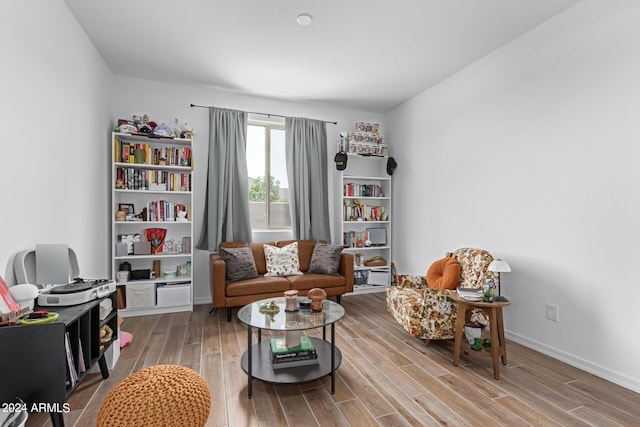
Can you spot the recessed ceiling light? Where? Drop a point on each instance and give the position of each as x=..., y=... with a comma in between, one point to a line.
x=304, y=19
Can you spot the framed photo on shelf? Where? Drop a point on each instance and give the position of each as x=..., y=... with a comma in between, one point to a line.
x=128, y=208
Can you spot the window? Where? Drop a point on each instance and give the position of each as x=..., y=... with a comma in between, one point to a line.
x=268, y=184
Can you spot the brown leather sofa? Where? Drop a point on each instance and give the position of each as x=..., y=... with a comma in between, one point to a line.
x=239, y=293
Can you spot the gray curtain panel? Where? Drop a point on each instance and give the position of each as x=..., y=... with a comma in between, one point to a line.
x=306, y=153
x=226, y=210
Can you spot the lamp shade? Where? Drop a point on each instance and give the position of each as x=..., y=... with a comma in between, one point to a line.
x=499, y=266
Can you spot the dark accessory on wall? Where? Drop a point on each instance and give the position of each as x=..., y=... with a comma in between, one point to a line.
x=341, y=161
x=391, y=165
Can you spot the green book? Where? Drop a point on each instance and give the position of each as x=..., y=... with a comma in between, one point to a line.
x=279, y=346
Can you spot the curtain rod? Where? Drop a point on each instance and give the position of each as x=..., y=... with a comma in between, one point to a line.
x=263, y=114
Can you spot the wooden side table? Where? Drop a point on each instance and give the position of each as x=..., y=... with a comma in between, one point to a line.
x=498, y=345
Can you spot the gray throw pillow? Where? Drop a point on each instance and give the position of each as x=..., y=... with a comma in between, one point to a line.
x=240, y=263
x=325, y=259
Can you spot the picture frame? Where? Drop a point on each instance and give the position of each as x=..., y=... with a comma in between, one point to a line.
x=377, y=236
x=128, y=208
x=129, y=240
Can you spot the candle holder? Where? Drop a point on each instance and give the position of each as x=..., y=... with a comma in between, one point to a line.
x=291, y=300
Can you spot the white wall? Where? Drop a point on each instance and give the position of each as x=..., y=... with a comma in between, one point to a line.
x=164, y=102
x=532, y=153
x=55, y=113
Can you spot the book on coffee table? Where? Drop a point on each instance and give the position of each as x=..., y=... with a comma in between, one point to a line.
x=286, y=357
x=279, y=345
x=294, y=363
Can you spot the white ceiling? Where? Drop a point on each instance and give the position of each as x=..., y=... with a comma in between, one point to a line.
x=367, y=55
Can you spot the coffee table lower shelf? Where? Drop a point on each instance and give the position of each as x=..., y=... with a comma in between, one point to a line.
x=262, y=370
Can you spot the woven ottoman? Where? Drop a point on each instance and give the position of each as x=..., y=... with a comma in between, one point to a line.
x=162, y=395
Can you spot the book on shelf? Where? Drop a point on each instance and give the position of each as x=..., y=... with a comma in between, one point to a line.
x=143, y=153
x=354, y=239
x=72, y=373
x=154, y=180
x=186, y=245
x=362, y=190
x=355, y=212
x=162, y=210
x=81, y=365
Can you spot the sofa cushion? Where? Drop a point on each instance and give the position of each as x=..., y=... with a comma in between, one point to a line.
x=325, y=259
x=257, y=286
x=239, y=263
x=305, y=250
x=256, y=248
x=282, y=261
x=313, y=280
x=444, y=274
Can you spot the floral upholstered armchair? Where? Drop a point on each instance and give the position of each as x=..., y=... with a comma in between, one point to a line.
x=428, y=313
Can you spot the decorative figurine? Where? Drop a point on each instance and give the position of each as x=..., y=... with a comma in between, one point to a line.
x=488, y=290
x=269, y=307
x=316, y=296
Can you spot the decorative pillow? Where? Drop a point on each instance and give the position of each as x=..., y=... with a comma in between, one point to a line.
x=444, y=274
x=240, y=263
x=325, y=259
x=282, y=261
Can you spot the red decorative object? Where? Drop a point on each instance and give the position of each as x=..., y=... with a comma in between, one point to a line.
x=156, y=237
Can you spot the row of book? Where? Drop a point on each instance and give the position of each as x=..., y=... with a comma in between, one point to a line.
x=139, y=179
x=357, y=212
x=362, y=190
x=354, y=239
x=73, y=370
x=140, y=153
x=288, y=357
x=162, y=210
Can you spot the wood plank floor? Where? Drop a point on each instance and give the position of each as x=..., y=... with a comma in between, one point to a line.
x=386, y=378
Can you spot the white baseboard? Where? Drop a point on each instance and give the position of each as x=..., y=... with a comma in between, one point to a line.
x=202, y=300
x=585, y=365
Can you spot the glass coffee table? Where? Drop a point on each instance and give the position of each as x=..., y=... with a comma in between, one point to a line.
x=256, y=361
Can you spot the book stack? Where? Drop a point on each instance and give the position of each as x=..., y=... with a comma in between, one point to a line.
x=470, y=294
x=289, y=357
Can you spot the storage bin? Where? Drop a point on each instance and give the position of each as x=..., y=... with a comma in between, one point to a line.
x=106, y=307
x=378, y=277
x=142, y=295
x=174, y=295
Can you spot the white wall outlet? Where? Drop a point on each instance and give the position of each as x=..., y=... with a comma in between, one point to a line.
x=552, y=312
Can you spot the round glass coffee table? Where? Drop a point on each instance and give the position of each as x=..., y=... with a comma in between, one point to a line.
x=256, y=361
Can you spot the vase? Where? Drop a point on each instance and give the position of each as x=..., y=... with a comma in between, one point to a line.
x=471, y=332
x=292, y=338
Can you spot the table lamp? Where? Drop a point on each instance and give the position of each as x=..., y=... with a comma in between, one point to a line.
x=499, y=266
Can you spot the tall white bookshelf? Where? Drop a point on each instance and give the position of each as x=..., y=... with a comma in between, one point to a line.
x=154, y=176
x=366, y=221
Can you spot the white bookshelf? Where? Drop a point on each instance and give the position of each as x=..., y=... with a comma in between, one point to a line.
x=365, y=182
x=175, y=174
